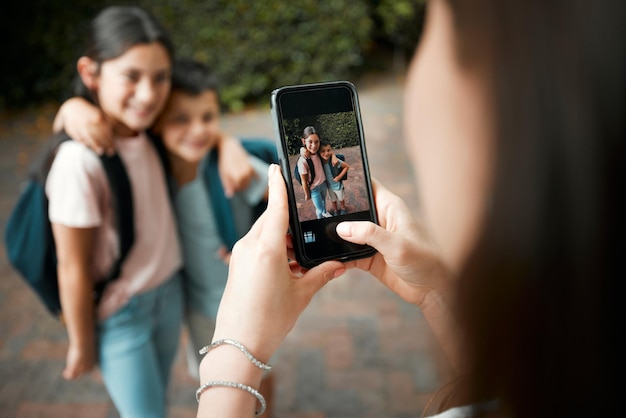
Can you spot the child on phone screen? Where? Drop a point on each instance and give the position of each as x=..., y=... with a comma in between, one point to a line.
x=334, y=170
x=313, y=180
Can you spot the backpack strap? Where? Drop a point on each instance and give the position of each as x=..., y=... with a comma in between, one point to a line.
x=309, y=161
x=123, y=213
x=263, y=149
x=296, y=170
x=219, y=203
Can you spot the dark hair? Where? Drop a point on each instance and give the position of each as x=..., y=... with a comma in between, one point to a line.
x=539, y=296
x=308, y=131
x=193, y=77
x=115, y=30
x=324, y=142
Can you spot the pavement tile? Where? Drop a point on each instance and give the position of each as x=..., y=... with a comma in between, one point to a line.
x=28, y=410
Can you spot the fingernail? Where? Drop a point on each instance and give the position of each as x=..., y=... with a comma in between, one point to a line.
x=344, y=229
x=338, y=272
x=272, y=169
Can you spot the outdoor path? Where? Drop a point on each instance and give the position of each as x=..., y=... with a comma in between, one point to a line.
x=357, y=352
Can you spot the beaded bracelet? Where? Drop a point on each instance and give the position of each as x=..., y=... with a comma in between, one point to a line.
x=241, y=348
x=235, y=385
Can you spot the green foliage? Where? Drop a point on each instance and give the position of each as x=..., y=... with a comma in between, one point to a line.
x=337, y=128
x=399, y=21
x=252, y=46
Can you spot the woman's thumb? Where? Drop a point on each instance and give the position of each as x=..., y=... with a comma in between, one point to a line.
x=363, y=232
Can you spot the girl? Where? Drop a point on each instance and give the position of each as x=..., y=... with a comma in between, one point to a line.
x=134, y=331
x=312, y=177
x=209, y=222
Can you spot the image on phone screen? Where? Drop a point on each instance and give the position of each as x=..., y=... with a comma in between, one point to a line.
x=322, y=141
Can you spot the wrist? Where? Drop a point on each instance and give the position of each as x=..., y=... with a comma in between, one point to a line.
x=437, y=308
x=82, y=343
x=228, y=363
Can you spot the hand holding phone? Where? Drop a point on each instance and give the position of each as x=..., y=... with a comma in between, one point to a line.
x=321, y=147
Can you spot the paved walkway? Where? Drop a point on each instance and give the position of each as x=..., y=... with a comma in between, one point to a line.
x=357, y=352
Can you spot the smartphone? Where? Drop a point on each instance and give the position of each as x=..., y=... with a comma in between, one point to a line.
x=319, y=133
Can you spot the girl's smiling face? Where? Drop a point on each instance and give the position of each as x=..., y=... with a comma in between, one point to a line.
x=312, y=143
x=132, y=89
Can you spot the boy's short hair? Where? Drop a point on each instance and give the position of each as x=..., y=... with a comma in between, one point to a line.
x=324, y=142
x=193, y=77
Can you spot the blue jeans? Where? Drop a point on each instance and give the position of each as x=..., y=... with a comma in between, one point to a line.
x=137, y=346
x=318, y=196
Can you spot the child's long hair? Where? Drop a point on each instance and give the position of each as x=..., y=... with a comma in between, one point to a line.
x=308, y=131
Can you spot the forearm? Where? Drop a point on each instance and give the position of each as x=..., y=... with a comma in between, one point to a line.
x=76, y=293
x=74, y=105
x=342, y=173
x=437, y=309
x=236, y=171
x=58, y=124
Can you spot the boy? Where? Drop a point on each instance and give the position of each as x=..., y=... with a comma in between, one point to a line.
x=334, y=170
x=209, y=223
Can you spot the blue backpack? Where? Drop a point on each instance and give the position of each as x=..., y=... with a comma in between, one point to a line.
x=296, y=171
x=28, y=236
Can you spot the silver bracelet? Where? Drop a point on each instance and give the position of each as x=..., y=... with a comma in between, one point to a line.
x=235, y=385
x=241, y=348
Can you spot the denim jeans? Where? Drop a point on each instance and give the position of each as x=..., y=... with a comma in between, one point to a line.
x=318, y=196
x=137, y=346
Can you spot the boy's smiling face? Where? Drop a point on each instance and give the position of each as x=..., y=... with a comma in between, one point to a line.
x=189, y=125
x=325, y=152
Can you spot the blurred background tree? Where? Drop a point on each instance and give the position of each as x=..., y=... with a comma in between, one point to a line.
x=252, y=46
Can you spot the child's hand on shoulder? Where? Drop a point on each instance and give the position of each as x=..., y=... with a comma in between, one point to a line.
x=84, y=122
x=305, y=153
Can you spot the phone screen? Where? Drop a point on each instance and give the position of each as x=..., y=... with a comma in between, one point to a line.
x=324, y=163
